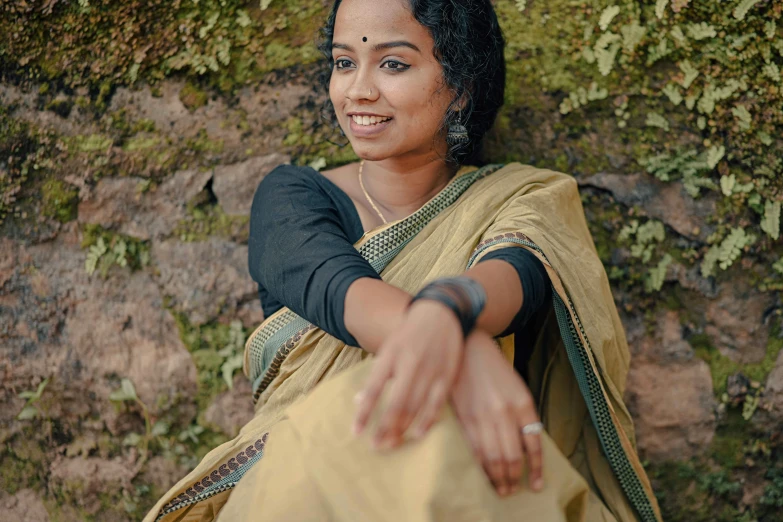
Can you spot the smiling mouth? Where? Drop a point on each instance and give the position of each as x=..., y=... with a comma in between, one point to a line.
x=367, y=121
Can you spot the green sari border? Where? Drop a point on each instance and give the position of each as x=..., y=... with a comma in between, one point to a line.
x=268, y=347
x=589, y=385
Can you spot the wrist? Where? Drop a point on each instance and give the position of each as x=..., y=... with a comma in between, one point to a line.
x=462, y=295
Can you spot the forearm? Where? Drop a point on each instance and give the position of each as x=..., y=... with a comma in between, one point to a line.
x=373, y=309
x=504, y=294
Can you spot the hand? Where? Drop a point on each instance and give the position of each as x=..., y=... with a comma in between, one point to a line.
x=421, y=359
x=493, y=404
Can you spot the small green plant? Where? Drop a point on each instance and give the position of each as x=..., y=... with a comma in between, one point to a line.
x=127, y=393
x=30, y=410
x=106, y=249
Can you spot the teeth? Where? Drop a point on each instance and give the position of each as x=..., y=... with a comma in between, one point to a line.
x=369, y=120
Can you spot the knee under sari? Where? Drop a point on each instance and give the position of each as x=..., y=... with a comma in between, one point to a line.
x=297, y=460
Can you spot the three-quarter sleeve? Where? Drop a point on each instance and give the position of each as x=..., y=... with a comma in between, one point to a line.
x=536, y=286
x=299, y=252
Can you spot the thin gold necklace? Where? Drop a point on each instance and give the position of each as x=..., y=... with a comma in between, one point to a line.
x=361, y=184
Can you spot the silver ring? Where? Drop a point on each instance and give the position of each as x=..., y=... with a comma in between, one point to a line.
x=533, y=429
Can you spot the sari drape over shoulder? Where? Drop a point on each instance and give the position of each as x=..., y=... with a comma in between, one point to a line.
x=296, y=460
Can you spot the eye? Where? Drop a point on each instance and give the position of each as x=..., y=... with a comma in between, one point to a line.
x=342, y=63
x=394, y=65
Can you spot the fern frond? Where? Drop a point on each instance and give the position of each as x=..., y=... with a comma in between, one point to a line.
x=660, y=7
x=771, y=221
x=701, y=31
x=690, y=73
x=632, y=35
x=607, y=15
x=743, y=7
x=656, y=120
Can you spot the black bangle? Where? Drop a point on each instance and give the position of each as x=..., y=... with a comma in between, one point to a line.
x=462, y=295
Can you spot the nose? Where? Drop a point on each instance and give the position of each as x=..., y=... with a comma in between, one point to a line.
x=362, y=87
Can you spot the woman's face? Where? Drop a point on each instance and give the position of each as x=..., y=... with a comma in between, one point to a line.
x=387, y=87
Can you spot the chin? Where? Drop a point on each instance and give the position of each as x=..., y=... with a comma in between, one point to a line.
x=372, y=152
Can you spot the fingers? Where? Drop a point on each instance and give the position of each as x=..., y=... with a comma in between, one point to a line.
x=368, y=397
x=429, y=412
x=398, y=408
x=535, y=459
x=511, y=447
x=491, y=456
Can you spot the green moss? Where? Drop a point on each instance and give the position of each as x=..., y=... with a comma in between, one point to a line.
x=193, y=97
x=91, y=143
x=721, y=367
x=59, y=200
x=205, y=221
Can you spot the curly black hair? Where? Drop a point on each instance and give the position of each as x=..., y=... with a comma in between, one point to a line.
x=469, y=46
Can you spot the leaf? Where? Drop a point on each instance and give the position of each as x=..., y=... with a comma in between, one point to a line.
x=632, y=35
x=228, y=368
x=521, y=5
x=673, y=93
x=660, y=7
x=701, y=31
x=772, y=71
x=656, y=120
x=127, y=392
x=605, y=58
x=690, y=73
x=28, y=412
x=656, y=276
x=731, y=247
x=132, y=439
x=318, y=163
x=265, y=4
x=771, y=221
x=607, y=16
x=160, y=428
x=714, y=155
x=743, y=116
x=743, y=7
x=727, y=184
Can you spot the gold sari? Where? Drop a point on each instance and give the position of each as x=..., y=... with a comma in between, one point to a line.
x=314, y=469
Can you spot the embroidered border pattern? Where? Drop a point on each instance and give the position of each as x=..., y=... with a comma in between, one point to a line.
x=589, y=386
x=378, y=250
x=220, y=479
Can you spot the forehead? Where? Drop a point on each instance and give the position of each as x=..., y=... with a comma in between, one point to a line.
x=380, y=21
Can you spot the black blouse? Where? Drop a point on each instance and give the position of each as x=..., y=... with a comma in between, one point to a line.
x=301, y=254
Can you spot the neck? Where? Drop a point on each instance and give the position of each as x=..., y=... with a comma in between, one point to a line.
x=401, y=187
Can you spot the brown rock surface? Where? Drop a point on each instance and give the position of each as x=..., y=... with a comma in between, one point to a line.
x=85, y=333
x=773, y=390
x=673, y=409
x=666, y=202
x=669, y=392
x=233, y=408
x=735, y=321
x=204, y=279
x=234, y=185
x=117, y=203
x=24, y=506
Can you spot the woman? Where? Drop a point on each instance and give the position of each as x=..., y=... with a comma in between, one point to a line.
x=431, y=265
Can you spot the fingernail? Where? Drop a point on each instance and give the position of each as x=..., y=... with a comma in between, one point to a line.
x=502, y=491
x=538, y=485
x=514, y=489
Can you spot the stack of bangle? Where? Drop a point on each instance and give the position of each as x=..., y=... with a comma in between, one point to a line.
x=464, y=296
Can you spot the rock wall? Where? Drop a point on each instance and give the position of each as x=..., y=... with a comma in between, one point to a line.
x=129, y=153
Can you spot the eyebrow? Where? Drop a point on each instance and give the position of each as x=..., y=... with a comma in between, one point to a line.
x=380, y=46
